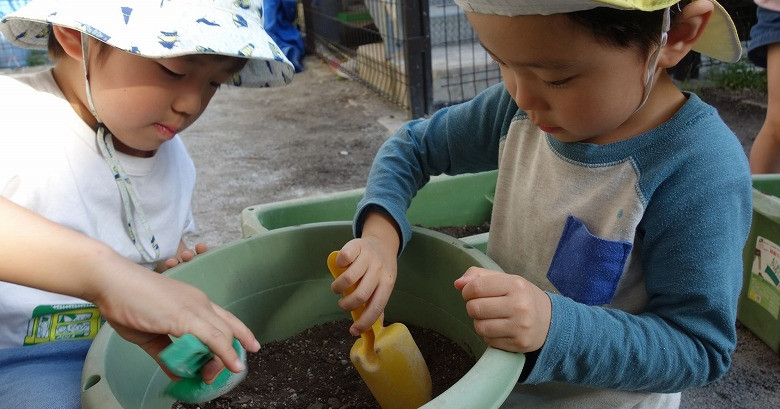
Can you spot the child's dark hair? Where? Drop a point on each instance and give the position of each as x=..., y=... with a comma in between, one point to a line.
x=55, y=49
x=626, y=28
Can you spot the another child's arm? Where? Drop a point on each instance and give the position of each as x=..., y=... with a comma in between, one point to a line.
x=765, y=152
x=458, y=139
x=141, y=305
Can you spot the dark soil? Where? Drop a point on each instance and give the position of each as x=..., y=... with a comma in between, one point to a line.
x=312, y=370
x=463, y=231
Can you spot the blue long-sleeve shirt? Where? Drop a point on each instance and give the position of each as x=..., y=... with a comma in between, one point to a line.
x=638, y=243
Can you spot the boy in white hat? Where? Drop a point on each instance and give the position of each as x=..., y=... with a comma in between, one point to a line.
x=621, y=208
x=92, y=144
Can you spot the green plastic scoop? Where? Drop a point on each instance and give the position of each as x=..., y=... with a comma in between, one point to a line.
x=185, y=357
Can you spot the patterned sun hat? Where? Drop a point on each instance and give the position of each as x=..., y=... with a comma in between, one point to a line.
x=162, y=29
x=719, y=39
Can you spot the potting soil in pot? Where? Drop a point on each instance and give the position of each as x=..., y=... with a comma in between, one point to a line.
x=463, y=231
x=312, y=370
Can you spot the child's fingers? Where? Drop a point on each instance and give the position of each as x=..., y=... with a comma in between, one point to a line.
x=347, y=259
x=153, y=347
x=240, y=331
x=485, y=308
x=221, y=345
x=355, y=271
x=201, y=248
x=348, y=253
x=186, y=255
x=367, y=282
x=472, y=274
x=375, y=307
x=503, y=327
x=211, y=370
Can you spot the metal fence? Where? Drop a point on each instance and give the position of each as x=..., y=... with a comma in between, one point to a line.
x=10, y=56
x=423, y=54
x=420, y=54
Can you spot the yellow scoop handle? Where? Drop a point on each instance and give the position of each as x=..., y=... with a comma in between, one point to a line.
x=376, y=328
x=388, y=360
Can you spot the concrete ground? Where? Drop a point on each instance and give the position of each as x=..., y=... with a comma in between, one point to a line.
x=318, y=135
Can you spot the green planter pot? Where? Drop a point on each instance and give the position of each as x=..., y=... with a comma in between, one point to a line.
x=759, y=303
x=445, y=201
x=279, y=285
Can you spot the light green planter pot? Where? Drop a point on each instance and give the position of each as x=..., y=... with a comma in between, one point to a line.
x=445, y=201
x=279, y=285
x=759, y=302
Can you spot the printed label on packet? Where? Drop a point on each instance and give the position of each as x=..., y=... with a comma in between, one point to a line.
x=63, y=321
x=764, y=284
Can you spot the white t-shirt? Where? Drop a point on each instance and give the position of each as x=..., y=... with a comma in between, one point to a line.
x=50, y=164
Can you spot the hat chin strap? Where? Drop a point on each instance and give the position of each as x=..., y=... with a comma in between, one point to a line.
x=653, y=63
x=130, y=199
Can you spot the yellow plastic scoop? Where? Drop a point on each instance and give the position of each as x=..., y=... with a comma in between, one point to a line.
x=388, y=360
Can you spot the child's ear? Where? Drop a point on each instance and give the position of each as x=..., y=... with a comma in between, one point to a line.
x=69, y=39
x=685, y=32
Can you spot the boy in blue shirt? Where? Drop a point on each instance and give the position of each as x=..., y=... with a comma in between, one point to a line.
x=621, y=208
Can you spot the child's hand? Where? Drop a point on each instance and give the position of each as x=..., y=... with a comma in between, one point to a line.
x=183, y=255
x=509, y=312
x=143, y=307
x=374, y=271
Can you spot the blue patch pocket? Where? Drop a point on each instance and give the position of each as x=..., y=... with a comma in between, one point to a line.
x=587, y=268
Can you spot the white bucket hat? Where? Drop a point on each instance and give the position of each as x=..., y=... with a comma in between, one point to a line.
x=719, y=40
x=162, y=29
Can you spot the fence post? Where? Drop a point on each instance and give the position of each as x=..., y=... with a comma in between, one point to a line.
x=308, y=25
x=418, y=56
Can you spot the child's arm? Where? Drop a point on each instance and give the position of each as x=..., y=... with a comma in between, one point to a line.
x=458, y=139
x=141, y=305
x=765, y=152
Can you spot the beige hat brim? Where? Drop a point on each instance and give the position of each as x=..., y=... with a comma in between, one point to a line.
x=719, y=39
